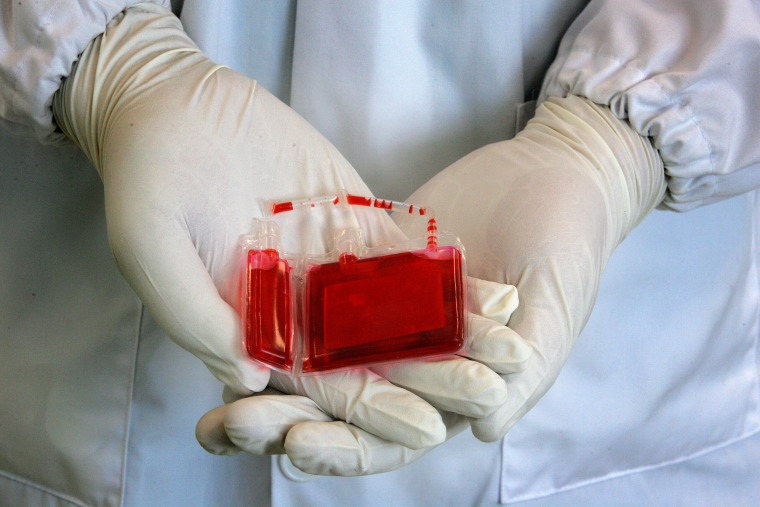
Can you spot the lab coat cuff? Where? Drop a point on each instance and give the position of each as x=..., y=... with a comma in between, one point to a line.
x=653, y=111
x=38, y=48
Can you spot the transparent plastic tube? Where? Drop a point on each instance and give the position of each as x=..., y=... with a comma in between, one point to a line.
x=344, y=198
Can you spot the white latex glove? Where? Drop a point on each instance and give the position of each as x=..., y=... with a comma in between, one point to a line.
x=189, y=152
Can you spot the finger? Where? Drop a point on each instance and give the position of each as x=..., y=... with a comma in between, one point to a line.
x=230, y=396
x=162, y=265
x=542, y=320
x=525, y=389
x=492, y=300
x=491, y=306
x=337, y=448
x=365, y=399
x=211, y=434
x=256, y=424
x=452, y=384
x=496, y=345
x=259, y=424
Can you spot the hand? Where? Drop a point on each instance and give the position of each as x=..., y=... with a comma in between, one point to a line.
x=544, y=212
x=189, y=152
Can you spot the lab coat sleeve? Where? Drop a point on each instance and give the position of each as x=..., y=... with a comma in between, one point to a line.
x=683, y=73
x=39, y=42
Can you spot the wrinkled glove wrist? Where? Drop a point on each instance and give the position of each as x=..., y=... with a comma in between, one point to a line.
x=598, y=146
x=129, y=66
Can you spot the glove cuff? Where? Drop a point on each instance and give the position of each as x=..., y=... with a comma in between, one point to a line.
x=624, y=165
x=140, y=48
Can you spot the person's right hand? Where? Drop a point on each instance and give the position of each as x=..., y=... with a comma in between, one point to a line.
x=189, y=153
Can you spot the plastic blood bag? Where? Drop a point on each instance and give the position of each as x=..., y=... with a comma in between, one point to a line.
x=398, y=306
x=359, y=306
x=269, y=323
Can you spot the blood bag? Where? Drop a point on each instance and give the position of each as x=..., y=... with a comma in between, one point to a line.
x=355, y=306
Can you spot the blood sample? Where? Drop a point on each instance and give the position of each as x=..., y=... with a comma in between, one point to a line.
x=400, y=306
x=268, y=309
x=363, y=307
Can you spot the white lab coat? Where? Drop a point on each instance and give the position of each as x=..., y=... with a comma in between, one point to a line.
x=658, y=403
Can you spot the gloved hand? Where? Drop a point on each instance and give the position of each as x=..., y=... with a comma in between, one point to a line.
x=543, y=211
x=189, y=152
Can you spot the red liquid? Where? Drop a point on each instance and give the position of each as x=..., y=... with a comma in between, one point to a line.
x=398, y=306
x=281, y=207
x=269, y=319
